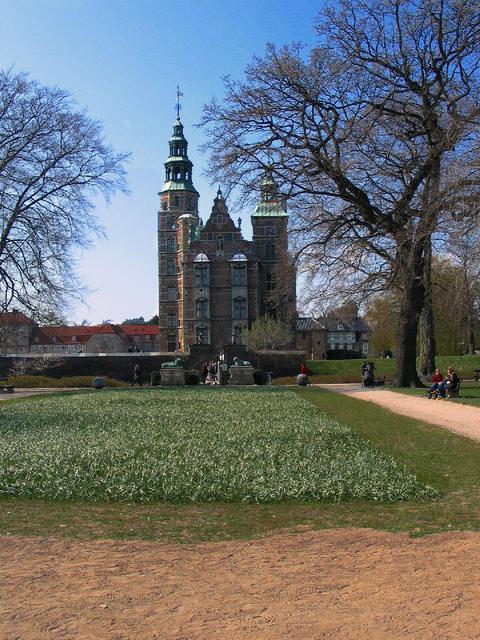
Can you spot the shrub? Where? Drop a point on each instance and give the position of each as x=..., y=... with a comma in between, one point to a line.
x=258, y=376
x=343, y=354
x=35, y=382
x=192, y=377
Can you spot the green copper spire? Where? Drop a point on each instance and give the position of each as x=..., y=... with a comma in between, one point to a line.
x=272, y=203
x=178, y=167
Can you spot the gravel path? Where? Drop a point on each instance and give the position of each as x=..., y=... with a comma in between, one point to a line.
x=351, y=584
x=38, y=391
x=460, y=418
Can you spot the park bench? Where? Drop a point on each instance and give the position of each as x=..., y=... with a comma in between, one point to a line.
x=452, y=393
x=6, y=388
x=455, y=393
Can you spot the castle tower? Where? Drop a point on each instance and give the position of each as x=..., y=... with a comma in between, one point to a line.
x=276, y=276
x=178, y=198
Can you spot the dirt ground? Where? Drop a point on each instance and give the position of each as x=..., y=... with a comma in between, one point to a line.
x=460, y=418
x=313, y=585
x=309, y=585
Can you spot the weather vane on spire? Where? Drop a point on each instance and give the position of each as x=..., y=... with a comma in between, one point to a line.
x=178, y=105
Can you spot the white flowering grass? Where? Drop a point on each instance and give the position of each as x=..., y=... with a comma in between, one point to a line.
x=200, y=444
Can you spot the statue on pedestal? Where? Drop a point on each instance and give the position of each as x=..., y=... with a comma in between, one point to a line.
x=173, y=364
x=237, y=362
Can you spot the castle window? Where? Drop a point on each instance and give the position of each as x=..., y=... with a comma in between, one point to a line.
x=172, y=342
x=269, y=231
x=270, y=281
x=202, y=335
x=171, y=244
x=269, y=251
x=239, y=276
x=176, y=199
x=201, y=308
x=239, y=308
x=172, y=321
x=190, y=206
x=220, y=244
x=171, y=222
x=201, y=275
x=172, y=293
x=171, y=267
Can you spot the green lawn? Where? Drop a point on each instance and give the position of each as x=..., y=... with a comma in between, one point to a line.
x=350, y=370
x=447, y=462
x=190, y=445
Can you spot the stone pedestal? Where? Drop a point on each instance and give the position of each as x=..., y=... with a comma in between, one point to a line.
x=241, y=375
x=173, y=376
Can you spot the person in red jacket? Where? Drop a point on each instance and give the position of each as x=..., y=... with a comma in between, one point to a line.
x=437, y=378
x=304, y=369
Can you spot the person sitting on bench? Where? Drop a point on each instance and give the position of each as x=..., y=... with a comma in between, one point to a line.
x=449, y=384
x=437, y=378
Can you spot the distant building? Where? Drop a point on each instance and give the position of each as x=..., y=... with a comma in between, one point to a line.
x=343, y=336
x=310, y=336
x=212, y=282
x=15, y=332
x=106, y=338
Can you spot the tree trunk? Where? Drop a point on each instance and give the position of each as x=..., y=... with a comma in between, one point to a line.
x=470, y=336
x=427, y=326
x=410, y=261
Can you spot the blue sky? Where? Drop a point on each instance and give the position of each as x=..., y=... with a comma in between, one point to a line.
x=122, y=61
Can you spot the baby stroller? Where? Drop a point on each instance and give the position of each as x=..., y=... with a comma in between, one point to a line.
x=368, y=375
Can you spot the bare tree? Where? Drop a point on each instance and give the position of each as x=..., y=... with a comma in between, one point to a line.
x=463, y=251
x=35, y=365
x=374, y=136
x=53, y=160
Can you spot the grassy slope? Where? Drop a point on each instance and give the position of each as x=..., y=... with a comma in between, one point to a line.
x=349, y=370
x=448, y=462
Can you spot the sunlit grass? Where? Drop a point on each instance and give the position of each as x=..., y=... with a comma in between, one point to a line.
x=197, y=445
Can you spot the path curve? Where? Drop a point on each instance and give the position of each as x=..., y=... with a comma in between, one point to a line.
x=456, y=417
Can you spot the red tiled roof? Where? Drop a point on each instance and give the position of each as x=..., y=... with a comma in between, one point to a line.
x=83, y=333
x=140, y=329
x=79, y=330
x=14, y=317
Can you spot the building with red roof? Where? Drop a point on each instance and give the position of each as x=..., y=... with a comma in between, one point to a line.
x=15, y=332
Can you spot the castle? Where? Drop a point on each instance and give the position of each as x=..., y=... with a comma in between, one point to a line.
x=212, y=282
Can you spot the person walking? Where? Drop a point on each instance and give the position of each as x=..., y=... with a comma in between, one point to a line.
x=137, y=376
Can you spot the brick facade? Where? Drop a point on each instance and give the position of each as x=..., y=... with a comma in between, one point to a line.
x=212, y=282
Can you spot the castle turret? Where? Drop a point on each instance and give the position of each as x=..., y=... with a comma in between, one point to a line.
x=276, y=277
x=178, y=197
